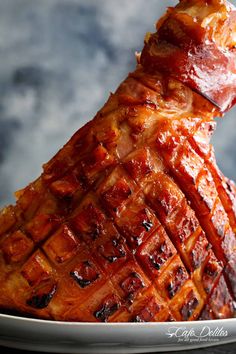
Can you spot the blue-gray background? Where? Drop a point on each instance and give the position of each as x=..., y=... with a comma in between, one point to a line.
x=59, y=59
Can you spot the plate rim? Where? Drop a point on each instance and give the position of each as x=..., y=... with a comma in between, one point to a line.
x=113, y=324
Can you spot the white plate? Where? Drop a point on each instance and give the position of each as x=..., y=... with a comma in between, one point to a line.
x=70, y=337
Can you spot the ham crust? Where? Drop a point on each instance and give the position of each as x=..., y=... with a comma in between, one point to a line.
x=132, y=220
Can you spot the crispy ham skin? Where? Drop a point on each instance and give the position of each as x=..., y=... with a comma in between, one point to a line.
x=132, y=220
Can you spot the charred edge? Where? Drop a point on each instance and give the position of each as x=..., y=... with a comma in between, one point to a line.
x=158, y=261
x=42, y=300
x=82, y=282
x=105, y=312
x=188, y=308
x=137, y=319
x=147, y=225
x=112, y=259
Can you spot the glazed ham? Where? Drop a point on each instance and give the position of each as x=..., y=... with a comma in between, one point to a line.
x=132, y=220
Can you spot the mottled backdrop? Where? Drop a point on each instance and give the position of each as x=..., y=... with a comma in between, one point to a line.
x=59, y=59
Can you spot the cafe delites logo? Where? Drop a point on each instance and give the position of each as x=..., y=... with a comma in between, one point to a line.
x=203, y=334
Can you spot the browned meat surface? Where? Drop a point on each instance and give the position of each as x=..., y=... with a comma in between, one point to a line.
x=132, y=219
